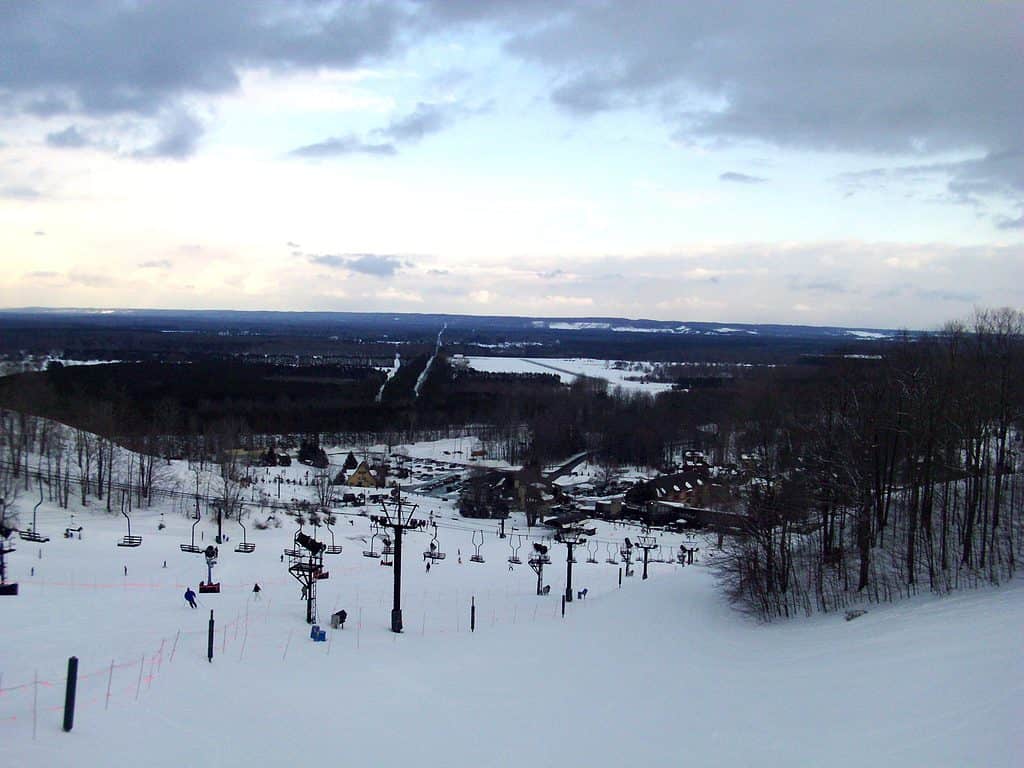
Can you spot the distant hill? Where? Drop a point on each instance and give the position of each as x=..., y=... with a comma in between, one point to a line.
x=236, y=321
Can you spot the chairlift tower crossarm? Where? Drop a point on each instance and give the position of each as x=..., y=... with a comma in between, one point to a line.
x=646, y=543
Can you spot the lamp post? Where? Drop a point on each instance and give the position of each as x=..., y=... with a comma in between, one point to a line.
x=397, y=516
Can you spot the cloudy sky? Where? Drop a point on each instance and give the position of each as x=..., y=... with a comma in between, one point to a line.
x=810, y=161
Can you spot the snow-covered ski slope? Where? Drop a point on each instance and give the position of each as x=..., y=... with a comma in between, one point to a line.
x=569, y=369
x=657, y=672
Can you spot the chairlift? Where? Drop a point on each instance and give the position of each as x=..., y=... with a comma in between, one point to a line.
x=592, y=553
x=194, y=548
x=626, y=551
x=611, y=559
x=389, y=547
x=295, y=552
x=476, y=557
x=332, y=548
x=245, y=547
x=514, y=543
x=434, y=552
x=33, y=534
x=371, y=552
x=129, y=540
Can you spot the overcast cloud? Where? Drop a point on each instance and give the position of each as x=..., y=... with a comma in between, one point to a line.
x=629, y=154
x=372, y=264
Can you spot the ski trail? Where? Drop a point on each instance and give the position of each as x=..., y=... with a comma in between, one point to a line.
x=392, y=372
x=426, y=370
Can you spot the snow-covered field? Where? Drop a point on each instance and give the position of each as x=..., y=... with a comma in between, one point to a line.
x=567, y=369
x=657, y=671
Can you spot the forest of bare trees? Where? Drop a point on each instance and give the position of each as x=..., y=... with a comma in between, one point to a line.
x=880, y=478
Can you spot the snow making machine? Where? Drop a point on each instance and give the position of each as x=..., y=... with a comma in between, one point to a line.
x=209, y=587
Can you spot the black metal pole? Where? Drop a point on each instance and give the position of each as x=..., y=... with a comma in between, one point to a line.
x=646, y=553
x=209, y=640
x=69, y=693
x=620, y=577
x=472, y=614
x=563, y=606
x=396, y=610
x=310, y=587
x=568, y=573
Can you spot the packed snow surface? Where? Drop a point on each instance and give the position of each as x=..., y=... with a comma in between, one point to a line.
x=657, y=672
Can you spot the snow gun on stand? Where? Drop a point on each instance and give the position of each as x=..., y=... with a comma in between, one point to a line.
x=209, y=587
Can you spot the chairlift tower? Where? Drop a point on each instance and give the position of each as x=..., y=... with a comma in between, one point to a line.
x=537, y=562
x=397, y=516
x=646, y=543
x=572, y=537
x=306, y=565
x=627, y=556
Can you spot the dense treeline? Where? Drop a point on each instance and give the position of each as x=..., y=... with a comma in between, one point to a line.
x=256, y=337
x=879, y=478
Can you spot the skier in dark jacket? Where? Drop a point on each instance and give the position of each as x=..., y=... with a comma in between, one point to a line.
x=256, y=591
x=190, y=597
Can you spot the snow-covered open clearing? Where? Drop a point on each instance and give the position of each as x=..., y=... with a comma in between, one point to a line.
x=659, y=670
x=568, y=369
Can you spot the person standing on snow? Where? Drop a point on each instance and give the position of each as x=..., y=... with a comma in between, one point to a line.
x=190, y=597
x=256, y=591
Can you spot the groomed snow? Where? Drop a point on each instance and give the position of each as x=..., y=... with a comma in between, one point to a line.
x=658, y=672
